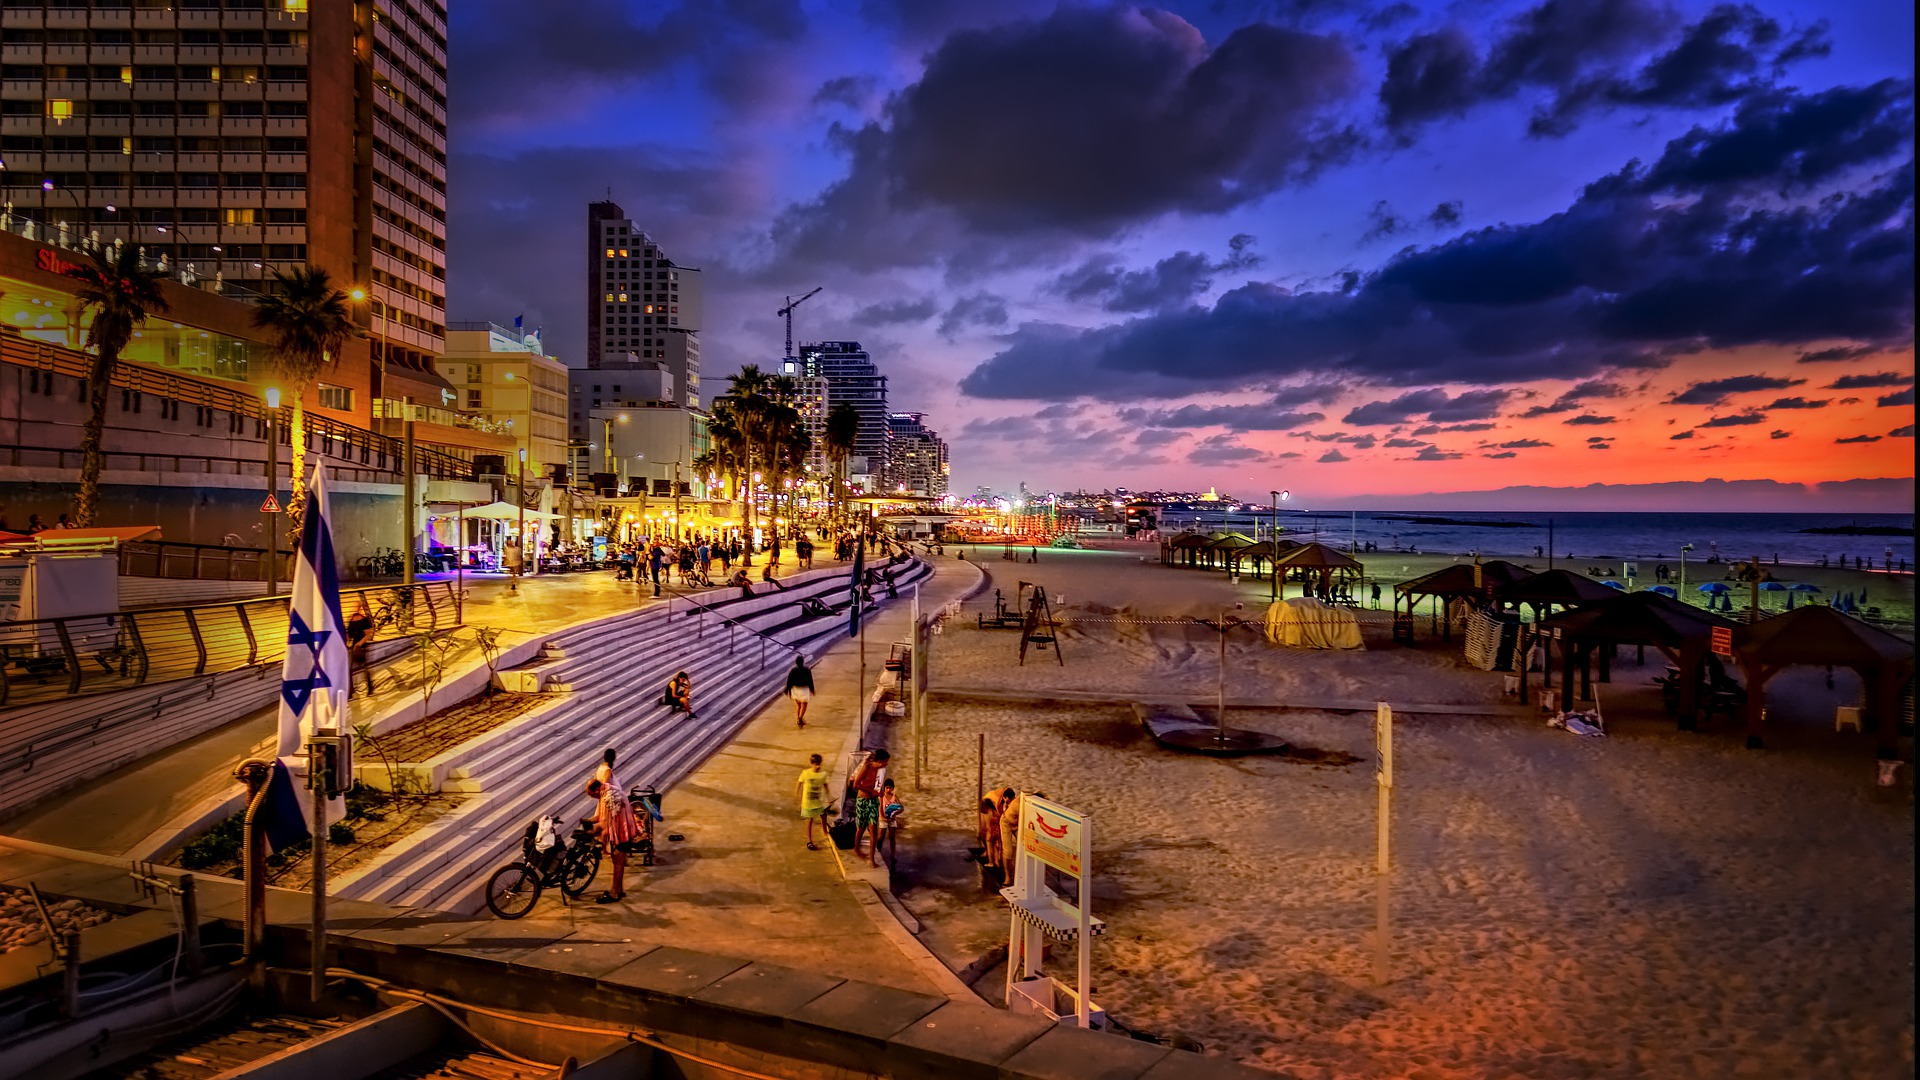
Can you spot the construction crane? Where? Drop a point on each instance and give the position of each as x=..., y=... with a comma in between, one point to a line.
x=788, y=312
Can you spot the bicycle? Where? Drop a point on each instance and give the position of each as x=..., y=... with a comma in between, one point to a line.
x=516, y=887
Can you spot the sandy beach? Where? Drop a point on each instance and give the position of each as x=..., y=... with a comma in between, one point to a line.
x=1654, y=903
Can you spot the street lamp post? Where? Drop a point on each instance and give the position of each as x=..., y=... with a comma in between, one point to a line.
x=80, y=229
x=273, y=470
x=1684, y=548
x=1273, y=541
x=520, y=504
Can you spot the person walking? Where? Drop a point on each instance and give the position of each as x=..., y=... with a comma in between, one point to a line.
x=800, y=688
x=867, y=784
x=814, y=805
x=359, y=628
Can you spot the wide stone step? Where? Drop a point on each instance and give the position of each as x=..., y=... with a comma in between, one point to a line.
x=531, y=769
x=489, y=836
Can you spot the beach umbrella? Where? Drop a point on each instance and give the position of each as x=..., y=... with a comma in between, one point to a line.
x=1772, y=586
x=1789, y=601
x=1667, y=591
x=1611, y=584
x=1801, y=586
x=1714, y=587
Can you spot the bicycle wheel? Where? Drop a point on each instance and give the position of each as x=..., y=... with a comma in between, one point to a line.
x=512, y=890
x=583, y=865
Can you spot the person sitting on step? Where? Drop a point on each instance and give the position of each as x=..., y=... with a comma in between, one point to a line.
x=679, y=694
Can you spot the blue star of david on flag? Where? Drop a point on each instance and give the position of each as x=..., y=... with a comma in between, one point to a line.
x=296, y=691
x=315, y=675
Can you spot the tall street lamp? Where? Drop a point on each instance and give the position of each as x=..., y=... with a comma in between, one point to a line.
x=273, y=470
x=1273, y=541
x=1684, y=548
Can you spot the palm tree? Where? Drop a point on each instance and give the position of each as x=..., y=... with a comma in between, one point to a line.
x=748, y=391
x=843, y=428
x=725, y=436
x=310, y=321
x=121, y=295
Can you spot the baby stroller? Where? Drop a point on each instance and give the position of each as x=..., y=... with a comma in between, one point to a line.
x=646, y=806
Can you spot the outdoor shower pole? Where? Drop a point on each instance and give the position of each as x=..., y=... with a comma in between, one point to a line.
x=1273, y=556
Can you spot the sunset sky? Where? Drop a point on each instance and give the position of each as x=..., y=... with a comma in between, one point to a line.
x=1344, y=249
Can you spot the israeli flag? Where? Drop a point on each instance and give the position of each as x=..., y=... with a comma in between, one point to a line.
x=859, y=571
x=315, y=678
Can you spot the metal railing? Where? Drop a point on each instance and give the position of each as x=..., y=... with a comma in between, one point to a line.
x=731, y=624
x=75, y=655
x=196, y=562
x=344, y=442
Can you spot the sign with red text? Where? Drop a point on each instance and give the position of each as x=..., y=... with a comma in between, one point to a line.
x=1723, y=640
x=1051, y=833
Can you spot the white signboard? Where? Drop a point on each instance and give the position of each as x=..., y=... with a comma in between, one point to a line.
x=1051, y=833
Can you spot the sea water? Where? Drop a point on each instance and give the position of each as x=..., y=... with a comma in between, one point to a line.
x=1615, y=536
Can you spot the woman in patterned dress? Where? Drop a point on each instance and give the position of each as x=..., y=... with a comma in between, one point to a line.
x=615, y=825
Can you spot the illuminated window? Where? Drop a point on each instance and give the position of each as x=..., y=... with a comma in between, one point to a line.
x=609, y=300
x=126, y=75
x=609, y=253
x=623, y=298
x=213, y=74
x=649, y=309
x=623, y=253
x=60, y=109
x=126, y=146
x=295, y=5
x=239, y=216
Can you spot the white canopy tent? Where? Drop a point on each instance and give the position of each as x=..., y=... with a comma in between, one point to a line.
x=506, y=511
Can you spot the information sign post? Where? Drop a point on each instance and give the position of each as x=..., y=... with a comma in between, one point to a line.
x=1383, y=783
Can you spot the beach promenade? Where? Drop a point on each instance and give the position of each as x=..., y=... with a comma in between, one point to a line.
x=741, y=883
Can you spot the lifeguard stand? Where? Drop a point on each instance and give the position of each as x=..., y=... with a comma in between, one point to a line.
x=1038, y=628
x=1051, y=836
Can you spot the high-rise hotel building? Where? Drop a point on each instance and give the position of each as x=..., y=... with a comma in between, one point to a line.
x=237, y=137
x=643, y=309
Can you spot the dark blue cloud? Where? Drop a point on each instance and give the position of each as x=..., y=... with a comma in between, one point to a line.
x=1716, y=391
x=1570, y=58
x=1081, y=124
x=1646, y=265
x=1870, y=381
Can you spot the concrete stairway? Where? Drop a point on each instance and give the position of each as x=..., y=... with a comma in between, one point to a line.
x=613, y=670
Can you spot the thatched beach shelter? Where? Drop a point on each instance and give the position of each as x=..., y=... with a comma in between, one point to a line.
x=1824, y=636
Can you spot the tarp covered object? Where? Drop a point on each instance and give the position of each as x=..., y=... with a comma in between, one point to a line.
x=1306, y=623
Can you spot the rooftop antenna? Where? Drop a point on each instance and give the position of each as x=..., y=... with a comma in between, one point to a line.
x=788, y=313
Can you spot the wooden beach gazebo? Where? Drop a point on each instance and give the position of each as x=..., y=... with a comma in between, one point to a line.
x=1318, y=558
x=1264, y=553
x=1825, y=636
x=1176, y=549
x=1451, y=582
x=1224, y=549
x=1681, y=631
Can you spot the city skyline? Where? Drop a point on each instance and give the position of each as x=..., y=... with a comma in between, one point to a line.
x=1384, y=253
